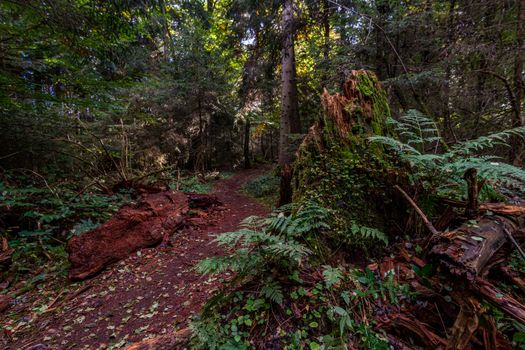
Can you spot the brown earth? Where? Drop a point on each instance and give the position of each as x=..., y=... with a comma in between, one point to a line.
x=152, y=292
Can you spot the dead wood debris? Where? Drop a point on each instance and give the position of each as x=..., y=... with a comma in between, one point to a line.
x=453, y=307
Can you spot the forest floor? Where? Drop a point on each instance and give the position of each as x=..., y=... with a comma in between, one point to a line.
x=154, y=291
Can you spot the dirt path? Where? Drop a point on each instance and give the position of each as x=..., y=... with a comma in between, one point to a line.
x=151, y=292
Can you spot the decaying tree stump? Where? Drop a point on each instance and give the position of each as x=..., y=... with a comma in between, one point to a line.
x=337, y=166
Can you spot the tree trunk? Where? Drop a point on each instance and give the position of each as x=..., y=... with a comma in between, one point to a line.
x=518, y=64
x=290, y=108
x=519, y=85
x=247, y=164
x=326, y=43
x=448, y=70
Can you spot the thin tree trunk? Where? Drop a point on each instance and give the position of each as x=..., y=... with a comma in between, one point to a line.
x=518, y=64
x=247, y=164
x=448, y=70
x=326, y=43
x=290, y=108
x=519, y=85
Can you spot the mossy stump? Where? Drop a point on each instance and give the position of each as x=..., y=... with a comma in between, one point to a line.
x=338, y=167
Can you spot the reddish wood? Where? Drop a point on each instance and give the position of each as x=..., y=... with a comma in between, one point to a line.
x=133, y=227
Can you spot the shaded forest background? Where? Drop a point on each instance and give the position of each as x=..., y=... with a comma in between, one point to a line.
x=105, y=91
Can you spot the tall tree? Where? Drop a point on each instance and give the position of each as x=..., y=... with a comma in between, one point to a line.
x=519, y=84
x=290, y=123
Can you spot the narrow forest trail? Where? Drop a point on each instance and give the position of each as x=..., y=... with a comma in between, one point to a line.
x=152, y=292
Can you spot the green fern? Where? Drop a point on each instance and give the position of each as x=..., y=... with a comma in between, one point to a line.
x=368, y=233
x=273, y=292
x=443, y=172
x=332, y=275
x=265, y=241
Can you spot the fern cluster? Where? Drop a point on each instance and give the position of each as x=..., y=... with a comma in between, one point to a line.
x=419, y=145
x=261, y=242
x=263, y=252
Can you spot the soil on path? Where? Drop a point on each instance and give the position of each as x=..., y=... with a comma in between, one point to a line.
x=153, y=292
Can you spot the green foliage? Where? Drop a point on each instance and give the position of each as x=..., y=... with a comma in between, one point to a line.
x=326, y=313
x=39, y=221
x=264, y=187
x=368, y=233
x=418, y=146
x=273, y=250
x=331, y=275
x=193, y=184
x=262, y=242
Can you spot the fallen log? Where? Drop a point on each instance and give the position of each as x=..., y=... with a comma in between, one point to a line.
x=467, y=250
x=504, y=209
x=133, y=227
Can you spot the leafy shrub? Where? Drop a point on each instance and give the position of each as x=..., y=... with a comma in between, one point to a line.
x=269, y=257
x=193, y=184
x=262, y=185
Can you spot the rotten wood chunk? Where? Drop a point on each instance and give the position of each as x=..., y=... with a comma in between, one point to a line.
x=467, y=250
x=134, y=227
x=465, y=325
x=5, y=253
x=415, y=327
x=5, y=303
x=504, y=209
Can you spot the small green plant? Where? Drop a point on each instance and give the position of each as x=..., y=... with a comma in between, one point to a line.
x=269, y=256
x=39, y=221
x=368, y=234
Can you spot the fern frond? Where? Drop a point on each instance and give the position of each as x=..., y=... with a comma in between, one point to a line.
x=488, y=141
x=368, y=233
x=396, y=145
x=332, y=275
x=272, y=291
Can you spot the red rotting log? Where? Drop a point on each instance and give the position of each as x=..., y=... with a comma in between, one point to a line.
x=132, y=228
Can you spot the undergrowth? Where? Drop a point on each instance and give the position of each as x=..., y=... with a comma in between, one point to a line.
x=280, y=280
x=37, y=221
x=264, y=188
x=195, y=184
x=439, y=168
